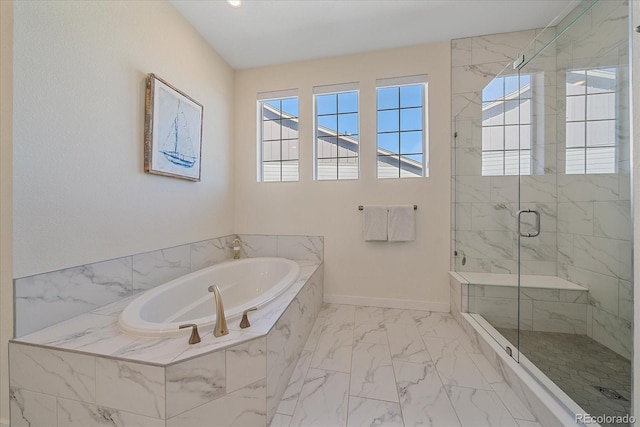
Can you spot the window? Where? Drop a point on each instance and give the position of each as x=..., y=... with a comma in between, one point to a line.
x=401, y=127
x=336, y=132
x=278, y=139
x=591, y=121
x=506, y=126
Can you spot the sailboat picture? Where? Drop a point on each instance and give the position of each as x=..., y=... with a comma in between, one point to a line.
x=173, y=131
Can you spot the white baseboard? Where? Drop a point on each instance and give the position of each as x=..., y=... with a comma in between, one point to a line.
x=405, y=304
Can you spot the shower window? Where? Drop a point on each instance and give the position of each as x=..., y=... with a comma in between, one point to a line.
x=506, y=126
x=278, y=142
x=401, y=127
x=591, y=121
x=337, y=145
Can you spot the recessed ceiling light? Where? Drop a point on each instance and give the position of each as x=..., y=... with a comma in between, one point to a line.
x=235, y=3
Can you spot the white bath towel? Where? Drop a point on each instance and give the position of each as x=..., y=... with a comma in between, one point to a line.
x=375, y=223
x=402, y=223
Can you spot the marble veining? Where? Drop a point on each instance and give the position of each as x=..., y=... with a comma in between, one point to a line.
x=55, y=372
x=154, y=268
x=166, y=382
x=76, y=414
x=133, y=387
x=195, y=382
x=64, y=294
x=372, y=372
x=378, y=390
x=370, y=412
x=99, y=334
x=209, y=252
x=29, y=408
x=323, y=399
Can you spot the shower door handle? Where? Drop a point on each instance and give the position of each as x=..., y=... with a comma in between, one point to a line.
x=537, y=229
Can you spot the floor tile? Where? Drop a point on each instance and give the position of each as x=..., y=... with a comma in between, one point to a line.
x=291, y=394
x=442, y=325
x=364, y=314
x=370, y=366
x=479, y=408
x=334, y=349
x=423, y=399
x=323, y=400
x=280, y=420
x=369, y=325
x=394, y=315
x=368, y=412
x=372, y=373
x=405, y=343
x=454, y=364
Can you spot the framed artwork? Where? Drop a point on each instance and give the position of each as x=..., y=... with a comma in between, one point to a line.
x=172, y=131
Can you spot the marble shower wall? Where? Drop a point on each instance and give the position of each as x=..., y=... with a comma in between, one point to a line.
x=46, y=299
x=586, y=219
x=485, y=206
x=594, y=211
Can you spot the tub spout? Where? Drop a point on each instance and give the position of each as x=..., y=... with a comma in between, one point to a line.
x=236, y=248
x=221, y=323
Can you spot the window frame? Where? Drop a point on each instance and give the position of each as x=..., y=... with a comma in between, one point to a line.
x=586, y=148
x=503, y=126
x=399, y=82
x=263, y=99
x=336, y=90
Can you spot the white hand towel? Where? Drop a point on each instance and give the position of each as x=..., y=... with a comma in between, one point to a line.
x=375, y=223
x=402, y=223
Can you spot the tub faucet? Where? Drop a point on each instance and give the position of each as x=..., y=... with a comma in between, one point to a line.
x=236, y=248
x=221, y=323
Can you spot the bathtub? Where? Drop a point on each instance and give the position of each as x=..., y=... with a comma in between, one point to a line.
x=244, y=283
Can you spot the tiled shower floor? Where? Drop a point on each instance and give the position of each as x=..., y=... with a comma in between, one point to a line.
x=578, y=364
x=366, y=366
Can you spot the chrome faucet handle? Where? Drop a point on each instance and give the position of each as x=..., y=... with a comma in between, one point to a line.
x=244, y=323
x=195, y=336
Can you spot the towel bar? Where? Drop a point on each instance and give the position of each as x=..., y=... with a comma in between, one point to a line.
x=415, y=207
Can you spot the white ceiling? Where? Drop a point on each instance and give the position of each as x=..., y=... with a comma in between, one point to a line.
x=266, y=32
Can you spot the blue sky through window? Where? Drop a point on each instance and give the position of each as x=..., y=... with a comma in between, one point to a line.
x=400, y=124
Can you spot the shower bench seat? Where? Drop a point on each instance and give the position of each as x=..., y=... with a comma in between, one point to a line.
x=547, y=303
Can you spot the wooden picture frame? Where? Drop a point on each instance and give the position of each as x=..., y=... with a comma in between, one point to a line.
x=172, y=131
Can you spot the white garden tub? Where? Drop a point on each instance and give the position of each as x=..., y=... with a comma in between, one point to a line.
x=245, y=283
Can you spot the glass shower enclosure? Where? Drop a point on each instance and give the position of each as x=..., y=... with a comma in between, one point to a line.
x=542, y=190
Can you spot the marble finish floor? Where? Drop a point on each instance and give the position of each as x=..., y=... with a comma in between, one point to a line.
x=578, y=364
x=368, y=366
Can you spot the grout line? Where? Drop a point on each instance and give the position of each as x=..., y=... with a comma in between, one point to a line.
x=393, y=368
x=353, y=345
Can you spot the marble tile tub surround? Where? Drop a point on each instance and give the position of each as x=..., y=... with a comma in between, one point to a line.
x=59, y=377
x=60, y=295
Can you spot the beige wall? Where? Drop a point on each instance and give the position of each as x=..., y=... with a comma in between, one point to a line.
x=400, y=273
x=80, y=193
x=6, y=285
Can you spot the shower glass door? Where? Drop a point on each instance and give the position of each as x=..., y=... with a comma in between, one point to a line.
x=542, y=207
x=574, y=228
